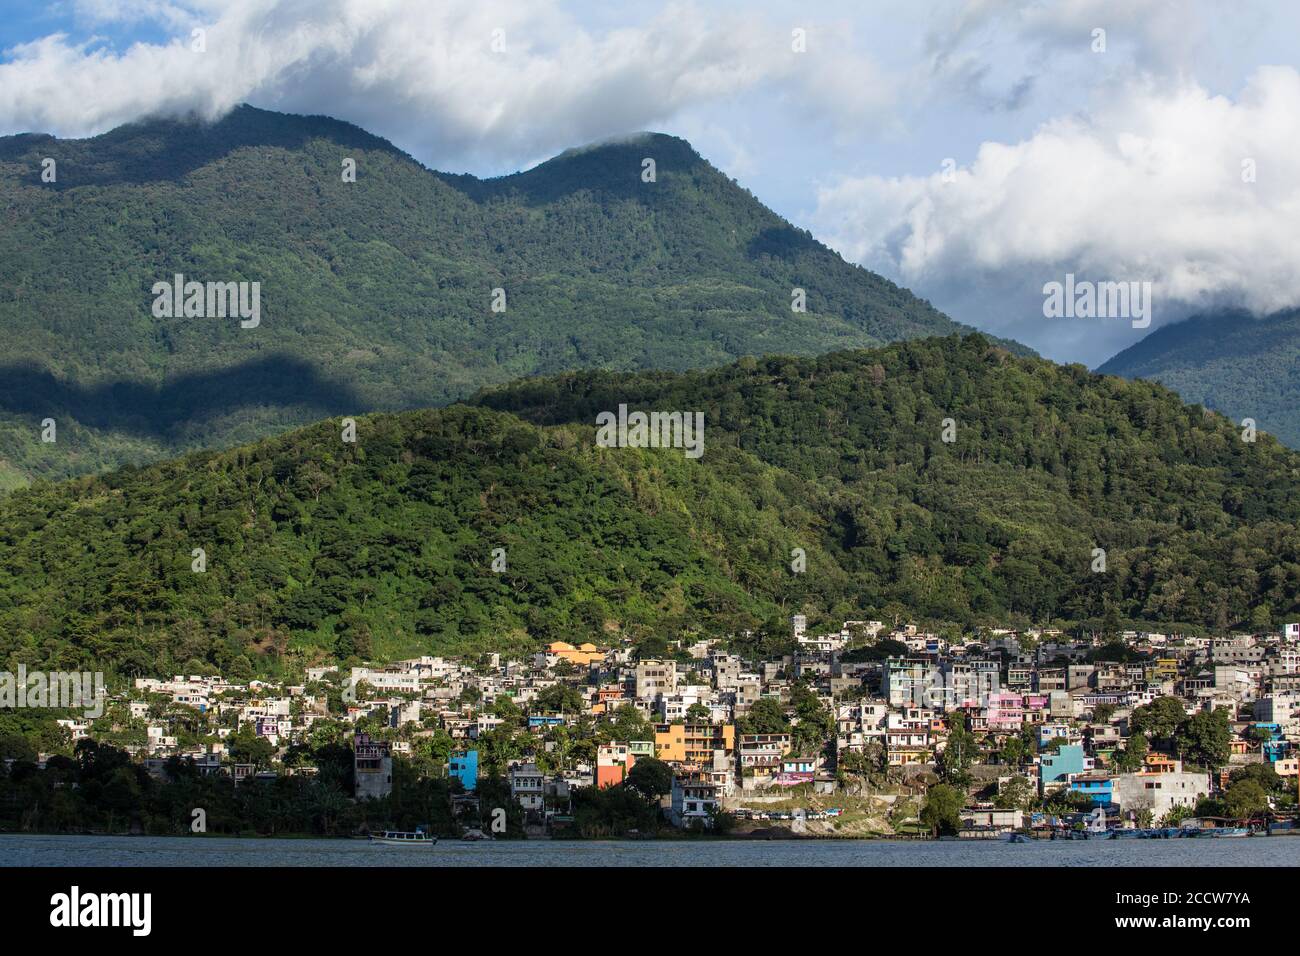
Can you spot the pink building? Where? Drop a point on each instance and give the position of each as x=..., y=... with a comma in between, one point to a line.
x=1006, y=712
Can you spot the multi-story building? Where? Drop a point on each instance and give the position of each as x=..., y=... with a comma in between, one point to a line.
x=694, y=801
x=1160, y=790
x=613, y=761
x=373, y=768
x=760, y=754
x=528, y=787
x=694, y=744
x=655, y=679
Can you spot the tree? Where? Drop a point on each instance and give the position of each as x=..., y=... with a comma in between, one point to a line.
x=1016, y=794
x=1102, y=713
x=1245, y=798
x=942, y=811
x=1013, y=751
x=766, y=716
x=245, y=746
x=698, y=714
x=1205, y=739
x=960, y=751
x=1134, y=755
x=1261, y=773
x=1066, y=800
x=353, y=637
x=560, y=699
x=628, y=723
x=504, y=707
x=650, y=777
x=1159, y=719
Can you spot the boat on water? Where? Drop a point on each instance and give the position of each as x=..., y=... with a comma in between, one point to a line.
x=475, y=835
x=419, y=837
x=1225, y=832
x=1014, y=837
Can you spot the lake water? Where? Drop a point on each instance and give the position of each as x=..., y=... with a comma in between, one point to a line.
x=23, y=850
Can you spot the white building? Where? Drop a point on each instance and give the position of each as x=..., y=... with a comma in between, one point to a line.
x=528, y=786
x=694, y=801
x=1159, y=792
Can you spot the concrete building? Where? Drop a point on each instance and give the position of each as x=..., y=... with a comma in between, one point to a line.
x=528, y=786
x=372, y=768
x=1055, y=769
x=760, y=754
x=694, y=800
x=613, y=762
x=1160, y=792
x=694, y=744
x=655, y=678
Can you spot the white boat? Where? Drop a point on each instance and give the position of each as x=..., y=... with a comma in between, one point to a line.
x=404, y=838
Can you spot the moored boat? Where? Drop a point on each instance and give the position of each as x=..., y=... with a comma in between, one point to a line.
x=418, y=837
x=1225, y=832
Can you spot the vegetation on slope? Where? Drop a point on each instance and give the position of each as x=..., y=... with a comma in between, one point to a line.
x=1241, y=365
x=375, y=294
x=385, y=546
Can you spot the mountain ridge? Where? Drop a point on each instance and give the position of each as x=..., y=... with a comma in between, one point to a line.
x=383, y=287
x=1236, y=362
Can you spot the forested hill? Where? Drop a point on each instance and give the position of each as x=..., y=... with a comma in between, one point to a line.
x=1242, y=365
x=375, y=294
x=385, y=546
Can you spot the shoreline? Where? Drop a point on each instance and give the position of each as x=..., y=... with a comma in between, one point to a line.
x=757, y=836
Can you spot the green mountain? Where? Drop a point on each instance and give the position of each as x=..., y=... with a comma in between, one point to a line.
x=386, y=546
x=1242, y=365
x=375, y=294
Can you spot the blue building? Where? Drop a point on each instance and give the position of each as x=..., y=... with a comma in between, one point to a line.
x=464, y=767
x=1098, y=789
x=1057, y=767
x=545, y=720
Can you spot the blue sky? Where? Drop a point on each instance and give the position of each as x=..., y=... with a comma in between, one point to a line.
x=1116, y=164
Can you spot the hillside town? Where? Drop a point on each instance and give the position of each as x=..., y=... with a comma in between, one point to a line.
x=862, y=731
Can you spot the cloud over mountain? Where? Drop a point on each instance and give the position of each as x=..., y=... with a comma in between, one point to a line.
x=1198, y=194
x=484, y=77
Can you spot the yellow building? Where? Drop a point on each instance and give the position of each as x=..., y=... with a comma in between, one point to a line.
x=584, y=655
x=693, y=743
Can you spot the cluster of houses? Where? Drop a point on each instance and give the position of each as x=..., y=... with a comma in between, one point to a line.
x=895, y=708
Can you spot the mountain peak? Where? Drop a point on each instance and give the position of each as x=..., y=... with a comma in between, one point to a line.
x=170, y=147
x=377, y=293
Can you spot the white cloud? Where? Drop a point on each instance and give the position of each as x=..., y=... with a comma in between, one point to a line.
x=1146, y=186
x=426, y=74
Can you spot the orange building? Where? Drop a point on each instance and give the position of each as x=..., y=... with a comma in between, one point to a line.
x=694, y=743
x=584, y=655
x=613, y=761
x=608, y=699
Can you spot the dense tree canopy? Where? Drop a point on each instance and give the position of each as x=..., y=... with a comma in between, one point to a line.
x=314, y=545
x=375, y=294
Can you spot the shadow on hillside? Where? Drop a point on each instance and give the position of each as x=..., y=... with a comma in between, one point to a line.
x=782, y=242
x=145, y=409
